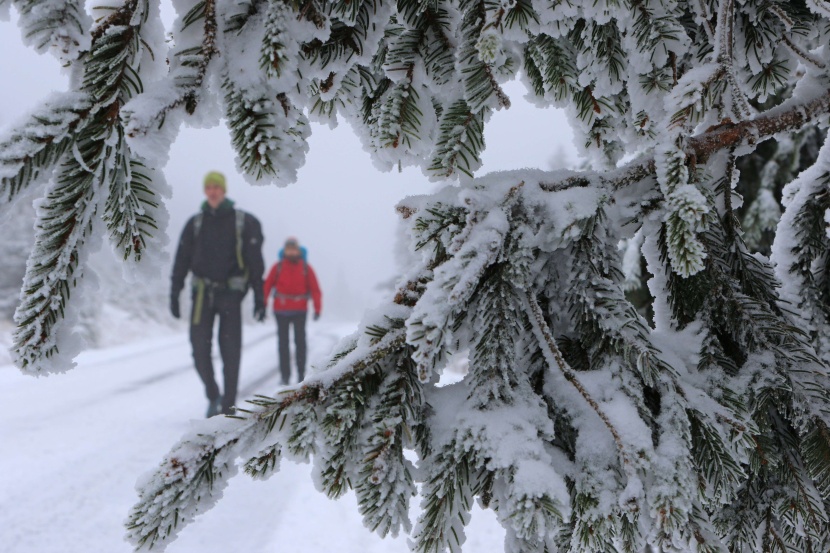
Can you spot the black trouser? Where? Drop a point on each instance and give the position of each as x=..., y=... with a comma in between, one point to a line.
x=226, y=304
x=284, y=321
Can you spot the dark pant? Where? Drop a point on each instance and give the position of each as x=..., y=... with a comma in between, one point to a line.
x=284, y=321
x=226, y=304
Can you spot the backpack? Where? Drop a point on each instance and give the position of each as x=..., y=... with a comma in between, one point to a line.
x=239, y=283
x=305, y=270
x=239, y=226
x=303, y=253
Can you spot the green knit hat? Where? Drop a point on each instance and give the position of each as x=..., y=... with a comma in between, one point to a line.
x=216, y=178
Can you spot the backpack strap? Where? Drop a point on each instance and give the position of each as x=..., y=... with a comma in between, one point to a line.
x=197, y=224
x=240, y=226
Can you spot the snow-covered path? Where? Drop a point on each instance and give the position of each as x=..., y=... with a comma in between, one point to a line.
x=72, y=446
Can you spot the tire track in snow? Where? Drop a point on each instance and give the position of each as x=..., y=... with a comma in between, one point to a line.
x=135, y=387
x=252, y=387
x=247, y=389
x=317, y=353
x=181, y=369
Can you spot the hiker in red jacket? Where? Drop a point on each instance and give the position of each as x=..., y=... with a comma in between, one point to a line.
x=294, y=283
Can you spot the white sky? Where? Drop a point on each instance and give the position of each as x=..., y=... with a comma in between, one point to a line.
x=341, y=207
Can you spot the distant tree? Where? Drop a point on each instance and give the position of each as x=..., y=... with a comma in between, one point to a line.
x=16, y=240
x=762, y=177
x=582, y=425
x=144, y=301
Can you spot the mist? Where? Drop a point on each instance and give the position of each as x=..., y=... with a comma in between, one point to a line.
x=341, y=208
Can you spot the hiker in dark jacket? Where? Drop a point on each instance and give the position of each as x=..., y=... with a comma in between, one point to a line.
x=294, y=283
x=222, y=247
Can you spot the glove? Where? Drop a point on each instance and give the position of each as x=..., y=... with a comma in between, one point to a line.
x=174, y=306
x=316, y=316
x=259, y=309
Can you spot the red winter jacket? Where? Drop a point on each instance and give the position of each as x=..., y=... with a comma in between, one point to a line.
x=294, y=283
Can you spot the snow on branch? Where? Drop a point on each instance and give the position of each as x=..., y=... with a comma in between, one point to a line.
x=587, y=425
x=193, y=475
x=479, y=243
x=29, y=153
x=59, y=27
x=95, y=166
x=153, y=110
x=555, y=359
x=788, y=117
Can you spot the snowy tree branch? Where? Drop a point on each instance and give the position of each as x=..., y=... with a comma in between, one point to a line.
x=790, y=116
x=548, y=342
x=29, y=154
x=696, y=423
x=188, y=74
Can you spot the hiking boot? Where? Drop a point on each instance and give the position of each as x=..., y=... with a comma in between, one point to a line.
x=214, y=407
x=230, y=410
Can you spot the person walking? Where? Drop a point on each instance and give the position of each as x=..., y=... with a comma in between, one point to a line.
x=222, y=247
x=294, y=283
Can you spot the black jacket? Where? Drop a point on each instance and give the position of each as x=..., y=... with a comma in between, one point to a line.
x=211, y=254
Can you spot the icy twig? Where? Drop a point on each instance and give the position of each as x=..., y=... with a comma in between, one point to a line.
x=790, y=116
x=726, y=30
x=187, y=92
x=542, y=329
x=805, y=56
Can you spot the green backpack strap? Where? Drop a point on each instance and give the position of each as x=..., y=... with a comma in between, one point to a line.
x=197, y=225
x=199, y=300
x=240, y=226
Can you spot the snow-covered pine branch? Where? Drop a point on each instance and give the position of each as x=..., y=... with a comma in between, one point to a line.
x=94, y=177
x=584, y=425
x=60, y=27
x=593, y=402
x=155, y=115
x=193, y=475
x=39, y=143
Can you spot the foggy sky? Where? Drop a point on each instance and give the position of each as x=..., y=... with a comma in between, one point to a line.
x=341, y=207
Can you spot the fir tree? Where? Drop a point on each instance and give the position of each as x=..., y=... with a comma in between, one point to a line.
x=584, y=426
x=18, y=237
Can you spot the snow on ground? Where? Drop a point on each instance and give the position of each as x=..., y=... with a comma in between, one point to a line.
x=73, y=446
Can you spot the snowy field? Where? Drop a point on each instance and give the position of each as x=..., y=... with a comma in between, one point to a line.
x=73, y=446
